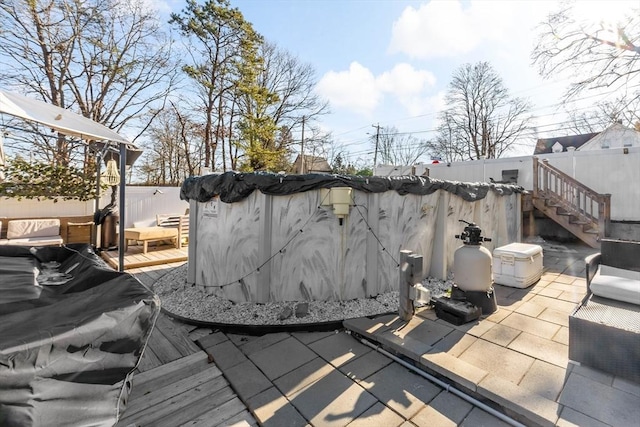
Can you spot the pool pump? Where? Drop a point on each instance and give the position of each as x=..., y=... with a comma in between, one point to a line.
x=472, y=293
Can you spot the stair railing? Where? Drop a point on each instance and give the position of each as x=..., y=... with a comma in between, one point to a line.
x=551, y=183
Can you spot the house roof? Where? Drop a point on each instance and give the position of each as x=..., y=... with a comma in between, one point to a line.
x=544, y=145
x=313, y=164
x=615, y=136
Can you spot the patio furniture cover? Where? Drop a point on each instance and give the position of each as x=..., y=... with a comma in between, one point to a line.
x=72, y=331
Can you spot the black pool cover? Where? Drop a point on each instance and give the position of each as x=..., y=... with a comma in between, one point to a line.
x=233, y=187
x=72, y=331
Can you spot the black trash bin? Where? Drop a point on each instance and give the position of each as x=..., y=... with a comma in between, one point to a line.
x=109, y=233
x=108, y=220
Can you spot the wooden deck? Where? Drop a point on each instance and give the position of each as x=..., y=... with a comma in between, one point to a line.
x=156, y=255
x=176, y=383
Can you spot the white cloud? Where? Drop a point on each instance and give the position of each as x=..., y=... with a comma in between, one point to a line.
x=354, y=89
x=447, y=29
x=357, y=89
x=403, y=79
x=420, y=105
x=604, y=13
x=408, y=86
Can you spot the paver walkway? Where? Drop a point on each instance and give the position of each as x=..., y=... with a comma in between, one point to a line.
x=515, y=359
x=330, y=379
x=302, y=379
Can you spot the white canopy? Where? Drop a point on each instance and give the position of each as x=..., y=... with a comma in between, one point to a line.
x=59, y=119
x=69, y=123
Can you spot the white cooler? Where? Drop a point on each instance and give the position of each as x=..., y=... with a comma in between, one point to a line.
x=518, y=265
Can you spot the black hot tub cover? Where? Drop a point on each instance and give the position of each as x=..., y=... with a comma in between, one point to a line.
x=72, y=331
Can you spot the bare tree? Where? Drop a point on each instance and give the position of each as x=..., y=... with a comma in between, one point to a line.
x=397, y=148
x=605, y=113
x=598, y=55
x=483, y=120
x=173, y=151
x=107, y=59
x=293, y=81
x=317, y=143
x=447, y=145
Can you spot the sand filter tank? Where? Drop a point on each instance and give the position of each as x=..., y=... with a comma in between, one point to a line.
x=472, y=270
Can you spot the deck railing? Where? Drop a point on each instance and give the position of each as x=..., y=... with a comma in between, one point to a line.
x=552, y=184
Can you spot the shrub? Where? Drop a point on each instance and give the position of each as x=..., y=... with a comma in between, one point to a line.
x=39, y=180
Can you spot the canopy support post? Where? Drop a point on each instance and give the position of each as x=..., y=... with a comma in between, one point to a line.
x=123, y=179
x=94, y=236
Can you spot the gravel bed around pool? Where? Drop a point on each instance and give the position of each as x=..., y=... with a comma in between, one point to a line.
x=194, y=303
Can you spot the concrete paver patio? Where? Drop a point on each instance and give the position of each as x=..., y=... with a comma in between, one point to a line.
x=333, y=380
x=518, y=357
x=515, y=360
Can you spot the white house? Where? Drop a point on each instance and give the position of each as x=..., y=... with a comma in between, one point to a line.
x=615, y=136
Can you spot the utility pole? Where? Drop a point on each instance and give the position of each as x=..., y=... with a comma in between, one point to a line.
x=302, y=149
x=375, y=153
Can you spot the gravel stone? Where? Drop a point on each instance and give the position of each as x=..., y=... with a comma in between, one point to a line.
x=285, y=313
x=194, y=302
x=302, y=309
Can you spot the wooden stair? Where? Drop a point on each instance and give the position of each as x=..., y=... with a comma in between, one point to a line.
x=577, y=208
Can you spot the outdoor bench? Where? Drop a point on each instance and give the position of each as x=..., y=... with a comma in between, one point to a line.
x=604, y=329
x=33, y=232
x=150, y=234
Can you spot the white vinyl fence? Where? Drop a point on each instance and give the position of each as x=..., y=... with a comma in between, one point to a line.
x=609, y=171
x=141, y=206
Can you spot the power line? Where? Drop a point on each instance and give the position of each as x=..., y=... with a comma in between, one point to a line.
x=538, y=117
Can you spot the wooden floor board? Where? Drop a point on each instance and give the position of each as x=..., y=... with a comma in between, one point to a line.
x=149, y=360
x=242, y=419
x=175, y=383
x=168, y=368
x=134, y=258
x=199, y=333
x=181, y=404
x=164, y=375
x=162, y=347
x=159, y=395
x=197, y=406
x=220, y=415
x=154, y=275
x=177, y=337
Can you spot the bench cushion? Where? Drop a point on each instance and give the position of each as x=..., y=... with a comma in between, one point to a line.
x=150, y=233
x=617, y=284
x=27, y=228
x=36, y=241
x=144, y=223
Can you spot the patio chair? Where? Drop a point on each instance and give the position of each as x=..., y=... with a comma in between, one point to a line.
x=604, y=329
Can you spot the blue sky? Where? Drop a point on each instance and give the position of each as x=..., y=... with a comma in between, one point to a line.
x=389, y=62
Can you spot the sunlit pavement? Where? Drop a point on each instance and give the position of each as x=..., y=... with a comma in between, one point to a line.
x=515, y=361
